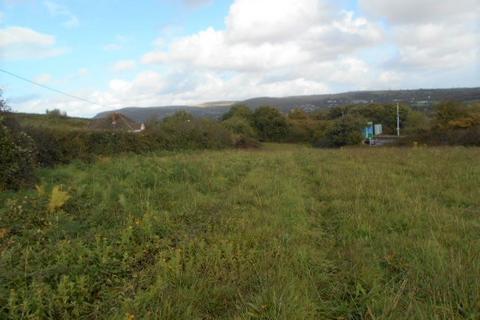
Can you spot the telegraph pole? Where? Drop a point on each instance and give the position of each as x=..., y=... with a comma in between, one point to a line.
x=398, y=120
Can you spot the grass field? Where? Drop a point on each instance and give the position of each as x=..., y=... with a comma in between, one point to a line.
x=286, y=232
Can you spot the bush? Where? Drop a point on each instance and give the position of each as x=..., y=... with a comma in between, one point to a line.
x=185, y=132
x=454, y=123
x=240, y=126
x=241, y=111
x=181, y=131
x=270, y=124
x=468, y=137
x=59, y=146
x=17, y=158
x=343, y=131
x=56, y=113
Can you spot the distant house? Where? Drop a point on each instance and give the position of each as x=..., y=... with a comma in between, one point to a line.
x=116, y=121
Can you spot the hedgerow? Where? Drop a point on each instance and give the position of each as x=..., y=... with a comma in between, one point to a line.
x=17, y=158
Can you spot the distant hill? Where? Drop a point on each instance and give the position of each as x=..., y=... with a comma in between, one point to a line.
x=419, y=98
x=144, y=114
x=114, y=121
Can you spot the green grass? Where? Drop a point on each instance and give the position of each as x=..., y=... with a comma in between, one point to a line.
x=284, y=233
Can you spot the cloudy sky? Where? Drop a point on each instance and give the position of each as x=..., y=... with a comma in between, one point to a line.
x=120, y=53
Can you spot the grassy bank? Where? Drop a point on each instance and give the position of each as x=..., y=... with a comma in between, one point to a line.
x=284, y=233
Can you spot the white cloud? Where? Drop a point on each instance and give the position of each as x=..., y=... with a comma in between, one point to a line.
x=154, y=89
x=429, y=34
x=421, y=11
x=57, y=10
x=18, y=43
x=436, y=46
x=268, y=34
x=286, y=47
x=124, y=65
x=268, y=48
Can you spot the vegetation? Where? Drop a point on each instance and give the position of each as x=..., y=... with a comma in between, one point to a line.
x=30, y=140
x=271, y=125
x=173, y=231
x=56, y=113
x=288, y=232
x=342, y=132
x=17, y=153
x=451, y=124
x=43, y=121
x=421, y=99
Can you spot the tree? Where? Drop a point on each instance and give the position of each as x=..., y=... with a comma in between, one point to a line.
x=297, y=114
x=17, y=152
x=4, y=108
x=337, y=112
x=239, y=125
x=239, y=110
x=270, y=124
x=179, y=116
x=416, y=122
x=386, y=115
x=451, y=115
x=56, y=113
x=343, y=131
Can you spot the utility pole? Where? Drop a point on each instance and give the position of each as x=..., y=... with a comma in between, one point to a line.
x=398, y=120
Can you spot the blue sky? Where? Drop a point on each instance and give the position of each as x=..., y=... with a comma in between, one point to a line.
x=161, y=52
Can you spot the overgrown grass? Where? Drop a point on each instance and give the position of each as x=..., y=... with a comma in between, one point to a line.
x=284, y=233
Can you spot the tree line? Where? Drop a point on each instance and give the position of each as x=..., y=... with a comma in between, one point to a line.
x=24, y=148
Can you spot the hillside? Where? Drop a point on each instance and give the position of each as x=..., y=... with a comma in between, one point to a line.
x=421, y=98
x=145, y=114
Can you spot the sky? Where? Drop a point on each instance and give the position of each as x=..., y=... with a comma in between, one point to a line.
x=117, y=53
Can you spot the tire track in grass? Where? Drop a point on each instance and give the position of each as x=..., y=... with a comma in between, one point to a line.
x=201, y=248
x=256, y=261
x=387, y=247
x=325, y=222
x=341, y=295
x=288, y=291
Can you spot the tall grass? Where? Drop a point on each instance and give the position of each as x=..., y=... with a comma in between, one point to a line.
x=285, y=233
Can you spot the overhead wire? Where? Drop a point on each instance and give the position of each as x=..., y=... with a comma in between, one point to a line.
x=52, y=89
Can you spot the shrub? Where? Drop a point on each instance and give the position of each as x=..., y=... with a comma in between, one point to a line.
x=344, y=131
x=441, y=137
x=58, y=198
x=58, y=146
x=453, y=124
x=240, y=126
x=241, y=111
x=270, y=124
x=56, y=113
x=302, y=130
x=416, y=122
x=447, y=112
x=17, y=158
x=182, y=131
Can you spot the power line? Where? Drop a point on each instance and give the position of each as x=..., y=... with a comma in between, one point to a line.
x=51, y=89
